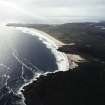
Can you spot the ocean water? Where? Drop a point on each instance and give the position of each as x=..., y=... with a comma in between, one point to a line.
x=23, y=55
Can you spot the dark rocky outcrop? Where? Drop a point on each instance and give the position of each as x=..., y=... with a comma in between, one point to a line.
x=84, y=85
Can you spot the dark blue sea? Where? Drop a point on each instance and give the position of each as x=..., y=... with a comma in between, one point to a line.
x=21, y=56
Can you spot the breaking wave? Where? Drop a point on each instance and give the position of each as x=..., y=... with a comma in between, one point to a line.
x=61, y=58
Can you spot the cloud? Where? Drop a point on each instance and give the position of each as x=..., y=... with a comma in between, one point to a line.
x=54, y=10
x=59, y=3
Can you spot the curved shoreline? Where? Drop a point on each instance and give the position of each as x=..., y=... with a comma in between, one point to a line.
x=52, y=44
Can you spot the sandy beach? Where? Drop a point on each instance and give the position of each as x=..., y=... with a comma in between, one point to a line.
x=57, y=42
x=52, y=44
x=71, y=60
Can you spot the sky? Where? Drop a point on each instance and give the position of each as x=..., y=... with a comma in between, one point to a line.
x=51, y=11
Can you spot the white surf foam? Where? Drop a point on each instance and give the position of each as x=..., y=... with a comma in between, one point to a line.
x=61, y=58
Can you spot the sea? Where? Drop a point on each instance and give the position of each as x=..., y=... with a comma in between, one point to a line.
x=25, y=54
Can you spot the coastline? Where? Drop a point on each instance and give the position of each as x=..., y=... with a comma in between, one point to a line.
x=58, y=42
x=82, y=85
x=73, y=59
x=53, y=44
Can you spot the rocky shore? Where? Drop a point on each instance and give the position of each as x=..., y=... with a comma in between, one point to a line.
x=84, y=85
